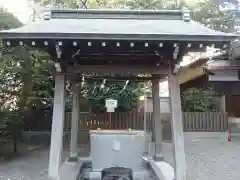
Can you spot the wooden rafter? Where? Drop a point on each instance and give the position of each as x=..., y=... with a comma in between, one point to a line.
x=162, y=70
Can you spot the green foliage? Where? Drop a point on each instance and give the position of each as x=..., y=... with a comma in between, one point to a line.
x=10, y=127
x=127, y=98
x=3, y=126
x=8, y=20
x=199, y=100
x=208, y=12
x=15, y=68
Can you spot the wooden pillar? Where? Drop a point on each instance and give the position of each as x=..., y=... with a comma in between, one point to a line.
x=145, y=113
x=222, y=103
x=177, y=128
x=57, y=127
x=157, y=131
x=74, y=124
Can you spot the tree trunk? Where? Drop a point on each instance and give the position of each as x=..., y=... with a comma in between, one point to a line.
x=15, y=149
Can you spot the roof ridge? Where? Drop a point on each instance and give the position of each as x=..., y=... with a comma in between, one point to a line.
x=182, y=14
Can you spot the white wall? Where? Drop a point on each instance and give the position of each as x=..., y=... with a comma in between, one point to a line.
x=164, y=105
x=163, y=89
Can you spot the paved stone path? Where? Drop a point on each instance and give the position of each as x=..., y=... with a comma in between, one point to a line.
x=208, y=158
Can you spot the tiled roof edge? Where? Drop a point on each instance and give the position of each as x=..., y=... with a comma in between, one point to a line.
x=183, y=14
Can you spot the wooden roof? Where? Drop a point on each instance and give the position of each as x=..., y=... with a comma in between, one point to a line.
x=120, y=41
x=118, y=24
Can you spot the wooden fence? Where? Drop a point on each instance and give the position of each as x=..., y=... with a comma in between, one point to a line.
x=206, y=121
x=192, y=121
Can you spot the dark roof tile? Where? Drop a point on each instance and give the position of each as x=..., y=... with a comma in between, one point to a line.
x=158, y=29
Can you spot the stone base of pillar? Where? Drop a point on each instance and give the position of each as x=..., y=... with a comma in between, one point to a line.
x=73, y=159
x=151, y=149
x=95, y=175
x=74, y=154
x=158, y=157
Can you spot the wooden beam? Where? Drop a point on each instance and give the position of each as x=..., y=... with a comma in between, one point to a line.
x=118, y=60
x=111, y=78
x=162, y=70
x=190, y=74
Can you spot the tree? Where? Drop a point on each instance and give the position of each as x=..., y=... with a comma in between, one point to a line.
x=9, y=121
x=210, y=13
x=207, y=12
x=130, y=4
x=199, y=100
x=26, y=82
x=8, y=20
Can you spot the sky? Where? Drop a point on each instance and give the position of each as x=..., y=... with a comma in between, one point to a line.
x=20, y=8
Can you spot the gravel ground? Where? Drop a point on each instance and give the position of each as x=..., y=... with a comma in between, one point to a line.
x=209, y=157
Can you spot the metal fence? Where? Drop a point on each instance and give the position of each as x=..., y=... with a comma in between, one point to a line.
x=192, y=121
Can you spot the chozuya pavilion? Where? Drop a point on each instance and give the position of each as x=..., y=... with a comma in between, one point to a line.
x=117, y=41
